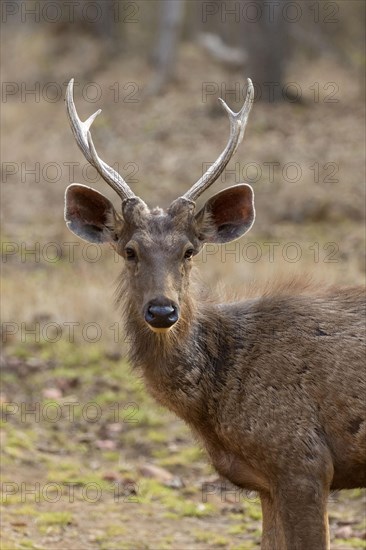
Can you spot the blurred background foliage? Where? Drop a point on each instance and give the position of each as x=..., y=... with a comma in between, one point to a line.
x=157, y=68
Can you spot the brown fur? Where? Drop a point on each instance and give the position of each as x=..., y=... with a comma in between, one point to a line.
x=273, y=385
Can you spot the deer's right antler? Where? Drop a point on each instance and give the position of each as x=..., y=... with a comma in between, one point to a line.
x=238, y=122
x=84, y=140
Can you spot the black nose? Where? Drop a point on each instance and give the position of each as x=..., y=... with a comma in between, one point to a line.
x=160, y=315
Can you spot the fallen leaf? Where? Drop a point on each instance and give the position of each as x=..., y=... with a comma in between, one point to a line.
x=106, y=444
x=52, y=393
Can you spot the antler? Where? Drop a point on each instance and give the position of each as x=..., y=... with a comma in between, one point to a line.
x=238, y=122
x=84, y=140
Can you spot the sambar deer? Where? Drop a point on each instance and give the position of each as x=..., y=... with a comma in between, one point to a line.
x=273, y=386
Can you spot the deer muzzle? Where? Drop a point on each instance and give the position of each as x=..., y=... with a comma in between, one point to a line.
x=161, y=315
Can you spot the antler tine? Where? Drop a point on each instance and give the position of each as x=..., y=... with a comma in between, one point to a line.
x=82, y=136
x=238, y=122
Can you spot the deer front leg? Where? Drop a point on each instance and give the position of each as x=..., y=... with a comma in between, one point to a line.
x=301, y=510
x=295, y=518
x=272, y=532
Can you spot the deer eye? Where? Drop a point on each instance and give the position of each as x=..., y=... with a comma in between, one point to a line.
x=130, y=253
x=188, y=253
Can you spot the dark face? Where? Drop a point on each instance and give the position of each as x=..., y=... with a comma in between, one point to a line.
x=158, y=246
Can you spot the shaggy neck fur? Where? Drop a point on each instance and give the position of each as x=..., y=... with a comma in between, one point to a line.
x=176, y=365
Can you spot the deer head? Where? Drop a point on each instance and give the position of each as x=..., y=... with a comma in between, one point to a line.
x=157, y=245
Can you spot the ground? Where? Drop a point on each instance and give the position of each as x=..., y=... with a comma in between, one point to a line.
x=89, y=461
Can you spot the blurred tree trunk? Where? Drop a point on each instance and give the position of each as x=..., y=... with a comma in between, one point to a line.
x=109, y=27
x=169, y=30
x=266, y=40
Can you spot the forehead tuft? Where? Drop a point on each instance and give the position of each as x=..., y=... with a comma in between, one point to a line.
x=159, y=227
x=157, y=211
x=161, y=222
x=162, y=228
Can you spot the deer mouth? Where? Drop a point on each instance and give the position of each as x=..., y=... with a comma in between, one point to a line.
x=159, y=330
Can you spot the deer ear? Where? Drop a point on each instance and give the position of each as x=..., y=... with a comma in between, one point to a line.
x=227, y=215
x=90, y=215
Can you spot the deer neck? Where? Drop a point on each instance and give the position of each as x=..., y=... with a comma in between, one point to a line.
x=176, y=365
